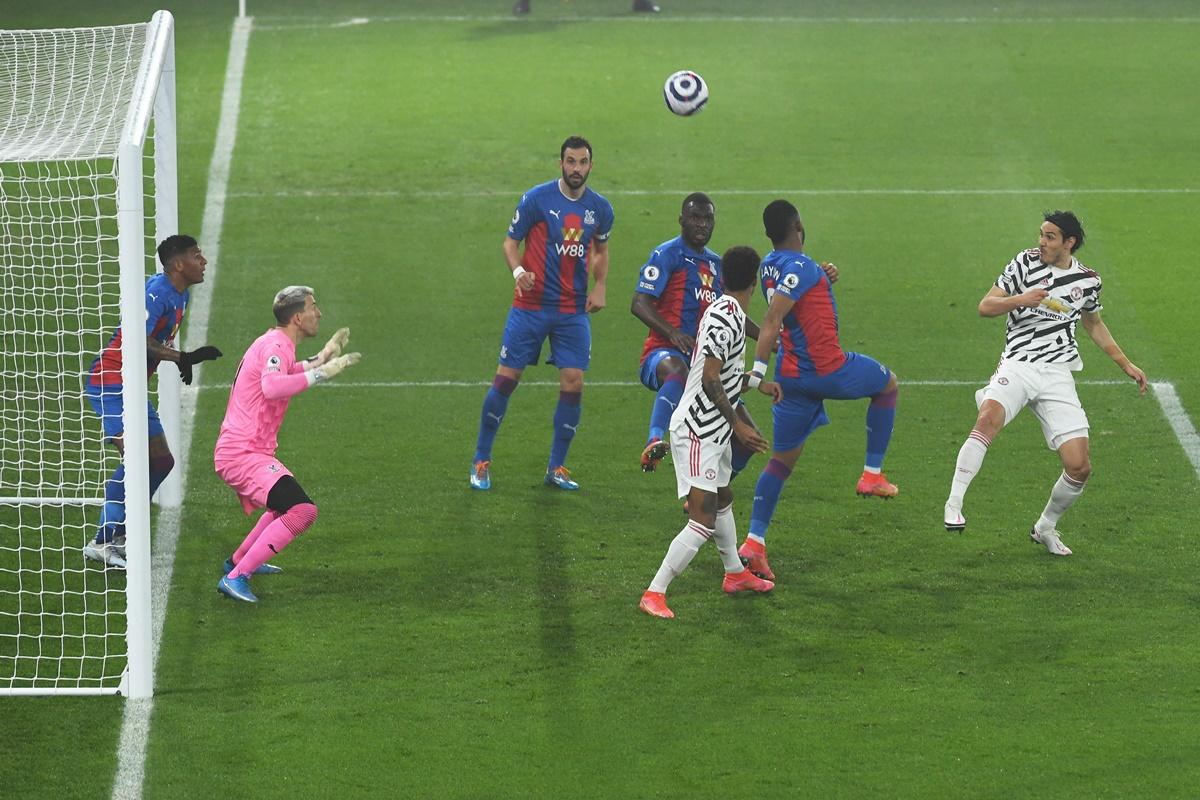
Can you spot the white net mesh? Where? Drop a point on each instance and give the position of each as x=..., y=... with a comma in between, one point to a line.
x=64, y=98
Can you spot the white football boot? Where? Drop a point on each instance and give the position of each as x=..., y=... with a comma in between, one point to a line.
x=1050, y=540
x=104, y=552
x=954, y=519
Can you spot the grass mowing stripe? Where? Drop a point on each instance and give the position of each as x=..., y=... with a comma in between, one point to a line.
x=135, y=723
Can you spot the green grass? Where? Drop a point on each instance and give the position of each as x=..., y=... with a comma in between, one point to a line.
x=426, y=641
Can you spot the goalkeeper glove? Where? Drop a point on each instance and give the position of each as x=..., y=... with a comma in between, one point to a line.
x=333, y=348
x=186, y=360
x=335, y=366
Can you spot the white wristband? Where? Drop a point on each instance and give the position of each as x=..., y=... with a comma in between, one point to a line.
x=753, y=379
x=518, y=272
x=760, y=367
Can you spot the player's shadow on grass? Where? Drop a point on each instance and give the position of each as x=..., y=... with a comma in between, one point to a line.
x=554, y=591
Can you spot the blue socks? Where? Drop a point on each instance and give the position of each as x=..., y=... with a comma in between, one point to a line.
x=665, y=403
x=766, y=497
x=494, y=406
x=112, y=515
x=566, y=419
x=881, y=418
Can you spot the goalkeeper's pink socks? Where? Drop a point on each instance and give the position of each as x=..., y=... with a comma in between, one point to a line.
x=268, y=540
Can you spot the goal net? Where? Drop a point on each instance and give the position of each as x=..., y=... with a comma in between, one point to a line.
x=87, y=181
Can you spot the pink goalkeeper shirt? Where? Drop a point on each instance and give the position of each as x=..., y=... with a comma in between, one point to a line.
x=266, y=380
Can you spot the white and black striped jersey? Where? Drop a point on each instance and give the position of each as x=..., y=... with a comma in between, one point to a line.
x=722, y=335
x=1046, y=334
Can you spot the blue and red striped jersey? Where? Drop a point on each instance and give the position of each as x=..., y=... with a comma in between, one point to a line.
x=683, y=282
x=164, y=314
x=558, y=232
x=809, y=339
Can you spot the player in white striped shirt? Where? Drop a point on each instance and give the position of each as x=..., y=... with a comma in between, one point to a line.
x=1045, y=292
x=702, y=431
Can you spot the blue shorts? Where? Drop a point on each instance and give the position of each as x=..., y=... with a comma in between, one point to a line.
x=570, y=339
x=803, y=409
x=649, y=373
x=109, y=405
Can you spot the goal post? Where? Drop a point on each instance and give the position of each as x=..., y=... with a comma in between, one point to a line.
x=87, y=188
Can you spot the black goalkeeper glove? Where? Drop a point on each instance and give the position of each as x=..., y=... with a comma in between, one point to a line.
x=186, y=360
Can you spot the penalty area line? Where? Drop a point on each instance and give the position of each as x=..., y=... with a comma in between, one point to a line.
x=1180, y=422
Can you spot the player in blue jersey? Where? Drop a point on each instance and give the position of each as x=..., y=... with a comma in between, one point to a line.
x=811, y=368
x=166, y=300
x=564, y=226
x=678, y=282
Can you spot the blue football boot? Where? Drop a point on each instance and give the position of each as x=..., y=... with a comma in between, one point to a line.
x=561, y=477
x=263, y=569
x=236, y=588
x=481, y=477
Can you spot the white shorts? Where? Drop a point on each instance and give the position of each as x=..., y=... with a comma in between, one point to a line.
x=1048, y=390
x=699, y=462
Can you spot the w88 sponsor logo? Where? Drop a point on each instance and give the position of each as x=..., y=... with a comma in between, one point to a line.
x=571, y=250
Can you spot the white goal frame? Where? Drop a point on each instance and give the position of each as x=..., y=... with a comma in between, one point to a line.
x=153, y=101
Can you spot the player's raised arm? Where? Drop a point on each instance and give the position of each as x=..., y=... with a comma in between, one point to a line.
x=777, y=309
x=331, y=350
x=998, y=302
x=1103, y=338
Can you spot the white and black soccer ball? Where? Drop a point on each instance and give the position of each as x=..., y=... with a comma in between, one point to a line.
x=685, y=93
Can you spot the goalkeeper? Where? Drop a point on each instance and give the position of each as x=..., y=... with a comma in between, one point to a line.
x=166, y=300
x=267, y=378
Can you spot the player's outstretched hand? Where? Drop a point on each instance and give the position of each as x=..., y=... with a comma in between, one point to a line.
x=772, y=390
x=336, y=365
x=1133, y=371
x=831, y=271
x=206, y=353
x=333, y=348
x=748, y=435
x=186, y=360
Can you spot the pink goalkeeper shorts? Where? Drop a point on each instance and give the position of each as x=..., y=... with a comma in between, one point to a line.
x=251, y=475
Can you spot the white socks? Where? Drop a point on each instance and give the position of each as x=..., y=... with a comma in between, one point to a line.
x=1064, y=494
x=681, y=552
x=726, y=538
x=970, y=459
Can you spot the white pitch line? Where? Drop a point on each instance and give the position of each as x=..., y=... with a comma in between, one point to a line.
x=135, y=723
x=882, y=192
x=309, y=23
x=1181, y=424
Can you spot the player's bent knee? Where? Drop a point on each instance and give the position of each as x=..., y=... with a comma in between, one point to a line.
x=300, y=517
x=1079, y=472
x=287, y=493
x=162, y=463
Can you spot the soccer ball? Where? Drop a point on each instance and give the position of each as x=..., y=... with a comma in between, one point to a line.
x=685, y=93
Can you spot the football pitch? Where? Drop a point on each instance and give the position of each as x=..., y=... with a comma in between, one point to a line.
x=428, y=641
